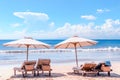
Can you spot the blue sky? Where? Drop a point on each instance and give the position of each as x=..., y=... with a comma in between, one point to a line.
x=59, y=19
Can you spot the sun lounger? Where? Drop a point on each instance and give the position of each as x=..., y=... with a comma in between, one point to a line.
x=19, y=70
x=87, y=68
x=27, y=66
x=103, y=67
x=77, y=70
x=92, y=68
x=43, y=65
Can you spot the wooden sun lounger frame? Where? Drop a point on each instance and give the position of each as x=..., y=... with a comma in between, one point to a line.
x=27, y=66
x=43, y=65
x=87, y=68
x=84, y=69
x=105, y=69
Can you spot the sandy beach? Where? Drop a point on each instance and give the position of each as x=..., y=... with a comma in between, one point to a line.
x=60, y=72
x=66, y=34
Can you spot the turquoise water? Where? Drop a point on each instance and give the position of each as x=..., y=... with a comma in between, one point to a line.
x=103, y=43
x=103, y=50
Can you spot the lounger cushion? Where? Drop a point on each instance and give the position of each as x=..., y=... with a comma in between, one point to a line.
x=88, y=66
x=29, y=67
x=105, y=68
x=46, y=67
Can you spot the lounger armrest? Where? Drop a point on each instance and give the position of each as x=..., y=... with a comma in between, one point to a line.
x=105, y=68
x=46, y=67
x=18, y=69
x=29, y=67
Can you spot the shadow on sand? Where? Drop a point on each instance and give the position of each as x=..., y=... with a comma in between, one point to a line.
x=113, y=75
x=31, y=77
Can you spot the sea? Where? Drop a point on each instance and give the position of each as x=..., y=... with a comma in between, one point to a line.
x=104, y=50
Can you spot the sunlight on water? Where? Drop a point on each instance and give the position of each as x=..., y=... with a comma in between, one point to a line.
x=103, y=50
x=61, y=56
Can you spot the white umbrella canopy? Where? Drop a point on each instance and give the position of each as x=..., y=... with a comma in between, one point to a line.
x=75, y=42
x=27, y=42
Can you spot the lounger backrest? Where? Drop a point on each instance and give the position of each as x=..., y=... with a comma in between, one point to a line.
x=43, y=62
x=32, y=63
x=88, y=66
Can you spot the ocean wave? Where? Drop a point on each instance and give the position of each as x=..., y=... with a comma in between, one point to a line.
x=109, y=49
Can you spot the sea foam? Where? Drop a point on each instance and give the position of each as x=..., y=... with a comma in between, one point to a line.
x=109, y=49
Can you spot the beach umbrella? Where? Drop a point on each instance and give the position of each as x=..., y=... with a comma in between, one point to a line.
x=27, y=43
x=75, y=42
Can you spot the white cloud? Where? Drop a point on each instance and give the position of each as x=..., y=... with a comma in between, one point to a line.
x=88, y=17
x=102, y=10
x=32, y=16
x=16, y=25
x=111, y=24
x=110, y=29
x=34, y=20
x=77, y=29
x=21, y=33
x=14, y=35
x=52, y=24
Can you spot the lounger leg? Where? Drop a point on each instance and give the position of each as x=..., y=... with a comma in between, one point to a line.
x=14, y=72
x=98, y=73
x=42, y=72
x=108, y=73
x=49, y=73
x=76, y=71
x=23, y=74
x=34, y=73
x=37, y=72
x=84, y=74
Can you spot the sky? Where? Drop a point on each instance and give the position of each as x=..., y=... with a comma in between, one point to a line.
x=59, y=19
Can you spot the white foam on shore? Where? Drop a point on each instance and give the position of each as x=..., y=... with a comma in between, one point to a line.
x=109, y=49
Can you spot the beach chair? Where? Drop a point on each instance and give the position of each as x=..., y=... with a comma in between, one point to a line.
x=89, y=68
x=104, y=67
x=43, y=65
x=27, y=66
x=77, y=70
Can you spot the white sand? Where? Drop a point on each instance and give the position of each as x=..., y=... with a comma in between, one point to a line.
x=60, y=72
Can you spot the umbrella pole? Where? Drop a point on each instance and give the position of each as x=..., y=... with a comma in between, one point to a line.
x=76, y=55
x=27, y=52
